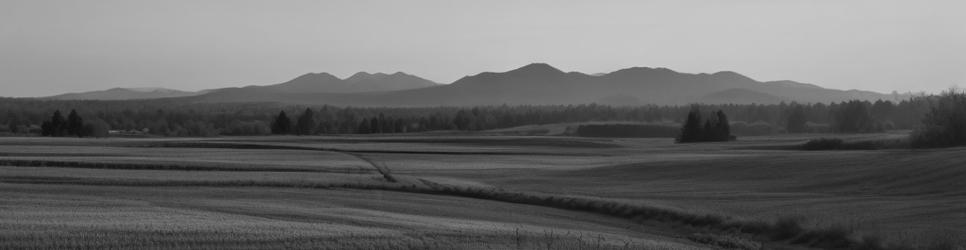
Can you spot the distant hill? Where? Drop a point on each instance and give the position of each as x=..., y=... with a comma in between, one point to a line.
x=315, y=87
x=540, y=83
x=359, y=82
x=124, y=94
x=365, y=82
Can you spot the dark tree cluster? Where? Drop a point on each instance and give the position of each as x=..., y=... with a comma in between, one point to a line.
x=73, y=125
x=306, y=124
x=854, y=117
x=696, y=129
x=282, y=124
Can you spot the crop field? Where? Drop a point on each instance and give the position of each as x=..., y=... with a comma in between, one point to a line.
x=477, y=191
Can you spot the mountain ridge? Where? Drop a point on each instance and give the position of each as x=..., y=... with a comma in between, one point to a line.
x=535, y=84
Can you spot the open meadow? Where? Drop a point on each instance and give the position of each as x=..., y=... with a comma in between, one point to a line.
x=472, y=191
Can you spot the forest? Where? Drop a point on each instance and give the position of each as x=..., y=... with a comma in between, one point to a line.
x=19, y=116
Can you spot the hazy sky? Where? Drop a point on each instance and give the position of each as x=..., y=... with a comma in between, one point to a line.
x=50, y=47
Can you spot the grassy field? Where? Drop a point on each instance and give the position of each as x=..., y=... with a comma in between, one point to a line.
x=475, y=192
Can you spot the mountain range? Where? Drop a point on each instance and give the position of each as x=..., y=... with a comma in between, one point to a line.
x=533, y=84
x=307, y=83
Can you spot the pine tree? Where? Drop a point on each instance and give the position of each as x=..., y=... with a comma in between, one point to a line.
x=75, y=124
x=282, y=124
x=363, y=127
x=14, y=124
x=691, y=131
x=722, y=128
x=796, y=120
x=56, y=126
x=708, y=132
x=374, y=126
x=400, y=126
x=306, y=123
x=462, y=120
x=46, y=129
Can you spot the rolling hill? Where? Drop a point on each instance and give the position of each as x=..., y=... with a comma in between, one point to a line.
x=124, y=94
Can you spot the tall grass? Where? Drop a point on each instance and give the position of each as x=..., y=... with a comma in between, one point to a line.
x=839, y=144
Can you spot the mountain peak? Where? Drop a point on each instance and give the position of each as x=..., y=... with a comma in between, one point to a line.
x=537, y=68
x=314, y=77
x=361, y=75
x=366, y=76
x=643, y=70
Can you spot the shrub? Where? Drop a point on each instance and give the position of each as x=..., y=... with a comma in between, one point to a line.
x=823, y=144
x=870, y=242
x=839, y=144
x=787, y=228
x=835, y=237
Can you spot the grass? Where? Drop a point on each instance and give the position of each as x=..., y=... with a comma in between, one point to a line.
x=782, y=230
x=53, y=216
x=735, y=194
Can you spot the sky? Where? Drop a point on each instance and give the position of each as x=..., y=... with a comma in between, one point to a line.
x=50, y=47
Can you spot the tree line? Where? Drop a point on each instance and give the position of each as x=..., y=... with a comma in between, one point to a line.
x=169, y=118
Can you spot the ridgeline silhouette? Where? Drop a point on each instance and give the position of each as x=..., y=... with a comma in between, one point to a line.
x=533, y=84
